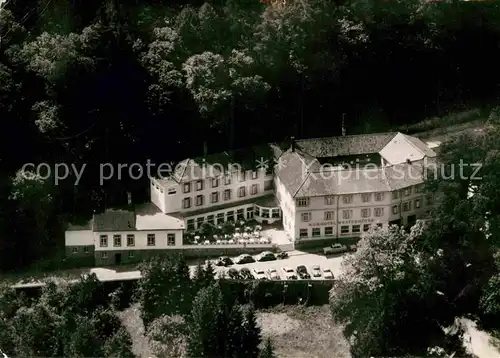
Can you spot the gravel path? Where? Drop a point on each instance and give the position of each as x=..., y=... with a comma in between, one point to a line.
x=276, y=323
x=131, y=319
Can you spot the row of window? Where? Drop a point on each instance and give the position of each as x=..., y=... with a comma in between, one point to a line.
x=406, y=206
x=151, y=238
x=104, y=255
x=215, y=182
x=214, y=197
x=328, y=230
x=365, y=197
x=346, y=214
x=75, y=250
x=220, y=218
x=365, y=212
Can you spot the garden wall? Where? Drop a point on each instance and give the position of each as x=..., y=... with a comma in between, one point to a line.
x=187, y=251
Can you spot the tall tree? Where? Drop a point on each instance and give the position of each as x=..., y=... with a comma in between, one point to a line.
x=33, y=195
x=204, y=338
x=268, y=350
x=235, y=333
x=168, y=336
x=165, y=288
x=251, y=334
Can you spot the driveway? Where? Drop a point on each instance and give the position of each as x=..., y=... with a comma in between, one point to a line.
x=295, y=259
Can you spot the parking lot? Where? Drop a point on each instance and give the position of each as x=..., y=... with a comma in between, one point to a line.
x=296, y=258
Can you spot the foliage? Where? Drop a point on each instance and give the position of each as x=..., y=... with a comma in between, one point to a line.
x=383, y=281
x=167, y=336
x=219, y=329
x=251, y=334
x=54, y=324
x=165, y=288
x=108, y=83
x=441, y=270
x=207, y=313
x=268, y=350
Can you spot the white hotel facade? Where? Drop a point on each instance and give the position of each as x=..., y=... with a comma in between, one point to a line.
x=339, y=187
x=320, y=189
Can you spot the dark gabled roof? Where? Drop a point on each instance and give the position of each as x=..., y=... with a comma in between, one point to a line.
x=344, y=146
x=114, y=220
x=80, y=226
x=214, y=165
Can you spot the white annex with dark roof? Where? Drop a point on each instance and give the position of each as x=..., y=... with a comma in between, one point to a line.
x=320, y=188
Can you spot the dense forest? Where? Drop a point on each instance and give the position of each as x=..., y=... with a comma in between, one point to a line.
x=126, y=82
x=183, y=317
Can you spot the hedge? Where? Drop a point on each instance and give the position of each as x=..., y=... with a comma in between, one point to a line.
x=262, y=294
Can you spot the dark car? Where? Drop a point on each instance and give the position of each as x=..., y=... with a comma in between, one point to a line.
x=233, y=274
x=266, y=256
x=282, y=255
x=224, y=261
x=244, y=259
x=246, y=274
x=302, y=272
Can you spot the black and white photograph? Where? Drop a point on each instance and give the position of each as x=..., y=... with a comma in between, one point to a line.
x=249, y=178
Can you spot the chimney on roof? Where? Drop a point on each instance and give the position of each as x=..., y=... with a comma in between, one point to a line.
x=408, y=160
x=292, y=139
x=129, y=198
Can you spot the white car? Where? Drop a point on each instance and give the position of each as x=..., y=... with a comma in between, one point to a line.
x=259, y=274
x=273, y=274
x=316, y=271
x=328, y=274
x=289, y=273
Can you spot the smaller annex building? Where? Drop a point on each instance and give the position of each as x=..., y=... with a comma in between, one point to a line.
x=120, y=236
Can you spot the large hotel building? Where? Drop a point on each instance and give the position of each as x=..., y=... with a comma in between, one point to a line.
x=317, y=188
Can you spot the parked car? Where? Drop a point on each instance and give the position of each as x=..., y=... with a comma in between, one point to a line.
x=245, y=274
x=316, y=271
x=224, y=261
x=259, y=274
x=244, y=259
x=334, y=249
x=233, y=274
x=289, y=273
x=328, y=274
x=302, y=272
x=273, y=274
x=266, y=256
x=282, y=255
